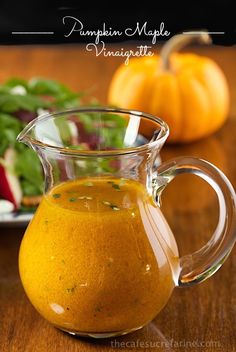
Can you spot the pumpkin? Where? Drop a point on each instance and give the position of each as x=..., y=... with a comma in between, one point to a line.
x=186, y=90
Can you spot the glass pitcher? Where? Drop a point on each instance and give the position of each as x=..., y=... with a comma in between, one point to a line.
x=98, y=258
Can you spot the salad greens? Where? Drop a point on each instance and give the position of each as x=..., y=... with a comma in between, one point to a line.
x=10, y=127
x=29, y=169
x=113, y=127
x=36, y=93
x=20, y=102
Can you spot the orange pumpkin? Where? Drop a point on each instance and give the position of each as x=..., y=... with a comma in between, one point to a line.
x=188, y=91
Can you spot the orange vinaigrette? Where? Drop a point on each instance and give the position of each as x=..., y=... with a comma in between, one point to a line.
x=98, y=256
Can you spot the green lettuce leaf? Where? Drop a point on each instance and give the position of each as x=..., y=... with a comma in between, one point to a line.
x=29, y=170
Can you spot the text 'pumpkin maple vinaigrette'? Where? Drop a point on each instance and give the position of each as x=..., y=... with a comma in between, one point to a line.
x=98, y=258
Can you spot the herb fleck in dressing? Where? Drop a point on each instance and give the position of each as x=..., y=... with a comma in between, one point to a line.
x=71, y=289
x=72, y=199
x=109, y=272
x=89, y=195
x=112, y=206
x=117, y=187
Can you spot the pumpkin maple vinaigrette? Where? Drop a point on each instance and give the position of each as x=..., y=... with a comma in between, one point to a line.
x=93, y=258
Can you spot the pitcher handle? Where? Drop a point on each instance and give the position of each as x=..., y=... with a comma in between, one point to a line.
x=203, y=263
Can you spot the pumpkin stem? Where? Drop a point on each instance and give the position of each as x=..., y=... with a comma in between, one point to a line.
x=179, y=41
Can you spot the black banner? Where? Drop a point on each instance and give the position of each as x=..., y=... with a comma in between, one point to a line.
x=33, y=22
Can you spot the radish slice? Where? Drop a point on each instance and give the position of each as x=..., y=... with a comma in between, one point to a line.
x=6, y=206
x=9, y=184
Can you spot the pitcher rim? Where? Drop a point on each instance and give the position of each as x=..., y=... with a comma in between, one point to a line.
x=162, y=136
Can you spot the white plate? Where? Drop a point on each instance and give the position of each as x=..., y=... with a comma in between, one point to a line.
x=15, y=220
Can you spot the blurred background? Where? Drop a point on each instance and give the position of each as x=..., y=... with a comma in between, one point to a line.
x=188, y=203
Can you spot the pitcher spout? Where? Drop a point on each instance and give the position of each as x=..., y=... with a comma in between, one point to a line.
x=26, y=136
x=45, y=131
